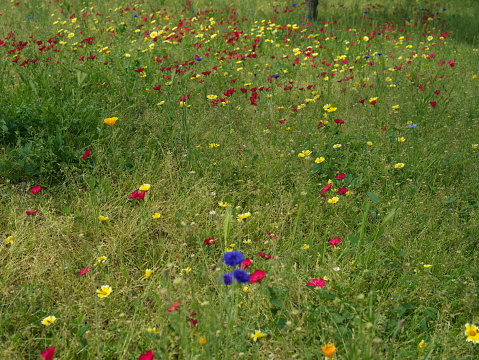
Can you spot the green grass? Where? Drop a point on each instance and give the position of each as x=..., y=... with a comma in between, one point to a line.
x=381, y=298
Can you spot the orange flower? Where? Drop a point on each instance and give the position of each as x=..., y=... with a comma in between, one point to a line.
x=110, y=121
x=328, y=350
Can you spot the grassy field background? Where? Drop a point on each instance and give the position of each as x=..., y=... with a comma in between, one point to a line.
x=340, y=153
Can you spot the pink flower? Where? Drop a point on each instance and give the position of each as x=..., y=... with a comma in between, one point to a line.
x=49, y=353
x=209, y=241
x=334, y=241
x=340, y=177
x=175, y=306
x=147, y=356
x=265, y=256
x=326, y=188
x=271, y=235
x=86, y=154
x=31, y=211
x=137, y=195
x=451, y=63
x=84, y=271
x=257, y=276
x=35, y=189
x=316, y=283
x=245, y=264
x=342, y=191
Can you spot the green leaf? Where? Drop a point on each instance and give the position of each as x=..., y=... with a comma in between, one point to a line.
x=373, y=197
x=276, y=303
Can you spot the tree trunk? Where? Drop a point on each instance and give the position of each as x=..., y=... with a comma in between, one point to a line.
x=312, y=7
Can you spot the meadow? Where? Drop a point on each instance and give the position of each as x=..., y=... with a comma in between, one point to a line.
x=228, y=179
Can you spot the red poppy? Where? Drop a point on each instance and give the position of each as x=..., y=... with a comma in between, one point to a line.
x=245, y=264
x=48, y=353
x=340, y=177
x=373, y=102
x=342, y=191
x=31, y=211
x=209, y=241
x=433, y=103
x=137, y=195
x=84, y=271
x=265, y=256
x=35, y=189
x=437, y=92
x=257, y=276
x=175, y=306
x=326, y=188
x=147, y=356
x=334, y=241
x=86, y=154
x=339, y=121
x=316, y=283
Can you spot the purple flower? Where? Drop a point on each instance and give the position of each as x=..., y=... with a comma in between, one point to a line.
x=233, y=258
x=241, y=276
x=227, y=278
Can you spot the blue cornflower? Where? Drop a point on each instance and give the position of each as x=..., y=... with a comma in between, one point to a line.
x=233, y=258
x=412, y=126
x=198, y=58
x=227, y=278
x=241, y=276
x=135, y=15
x=275, y=76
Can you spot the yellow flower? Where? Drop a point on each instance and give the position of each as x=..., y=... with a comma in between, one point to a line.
x=110, y=121
x=212, y=146
x=148, y=273
x=212, y=97
x=127, y=56
x=241, y=217
x=474, y=146
x=472, y=333
x=246, y=289
x=185, y=271
x=399, y=165
x=153, y=330
x=337, y=146
x=145, y=187
x=333, y=200
x=257, y=335
x=319, y=160
x=369, y=143
x=305, y=247
x=156, y=215
x=224, y=204
x=429, y=38
x=161, y=103
x=104, y=291
x=304, y=153
x=422, y=344
x=103, y=218
x=328, y=350
x=154, y=34
x=401, y=139
x=70, y=35
x=427, y=266
x=395, y=107
x=202, y=340
x=365, y=38
x=247, y=241
x=9, y=240
x=49, y=320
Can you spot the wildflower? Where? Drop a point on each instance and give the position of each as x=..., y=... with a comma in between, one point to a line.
x=401, y=139
x=257, y=276
x=305, y=247
x=161, y=103
x=316, y=283
x=49, y=320
x=337, y=146
x=339, y=121
x=212, y=146
x=433, y=103
x=340, y=176
x=245, y=264
x=212, y=97
x=101, y=259
x=48, y=354
x=227, y=278
x=153, y=330
x=472, y=333
x=224, y=205
x=137, y=195
x=369, y=143
x=427, y=266
x=145, y=187
x=31, y=211
x=395, y=107
x=9, y=240
x=233, y=258
x=343, y=191
x=319, y=160
x=148, y=273
x=103, y=218
x=241, y=276
x=202, y=340
x=104, y=291
x=156, y=215
x=328, y=350
x=333, y=200
x=304, y=153
x=84, y=271
x=35, y=189
x=86, y=154
x=147, y=356
x=265, y=256
x=422, y=344
x=209, y=241
x=175, y=306
x=334, y=241
x=110, y=121
x=257, y=335
x=399, y=166
x=241, y=217
x=475, y=146
x=185, y=271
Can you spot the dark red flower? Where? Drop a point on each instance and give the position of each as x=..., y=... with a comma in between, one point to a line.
x=137, y=195
x=31, y=211
x=451, y=63
x=35, y=189
x=342, y=191
x=147, y=356
x=84, y=271
x=340, y=176
x=339, y=121
x=433, y=103
x=157, y=87
x=48, y=353
x=86, y=154
x=361, y=101
x=373, y=102
x=334, y=241
x=437, y=92
x=257, y=276
x=265, y=256
x=209, y=241
x=245, y=264
x=271, y=235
